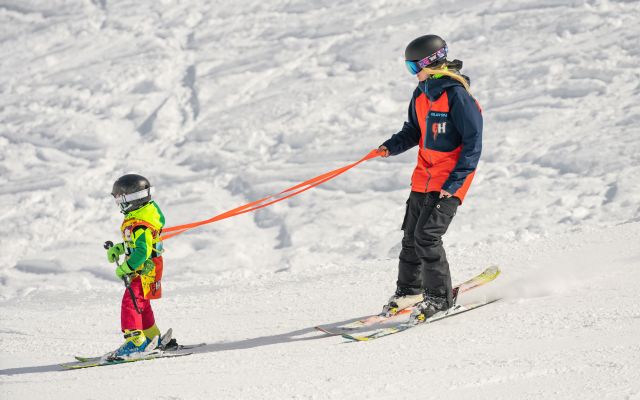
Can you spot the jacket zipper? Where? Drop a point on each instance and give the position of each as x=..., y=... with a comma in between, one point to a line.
x=426, y=132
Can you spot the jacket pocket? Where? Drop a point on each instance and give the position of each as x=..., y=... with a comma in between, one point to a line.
x=448, y=206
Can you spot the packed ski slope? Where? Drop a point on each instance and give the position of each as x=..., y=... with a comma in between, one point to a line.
x=221, y=103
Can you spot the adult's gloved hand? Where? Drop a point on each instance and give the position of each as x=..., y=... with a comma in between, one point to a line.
x=123, y=269
x=384, y=152
x=114, y=252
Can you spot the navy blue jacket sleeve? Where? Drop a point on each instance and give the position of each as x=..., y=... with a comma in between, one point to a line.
x=409, y=135
x=467, y=118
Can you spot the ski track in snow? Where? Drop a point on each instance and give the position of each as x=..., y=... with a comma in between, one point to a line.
x=220, y=104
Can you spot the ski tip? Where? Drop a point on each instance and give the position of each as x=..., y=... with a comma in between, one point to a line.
x=492, y=270
x=489, y=274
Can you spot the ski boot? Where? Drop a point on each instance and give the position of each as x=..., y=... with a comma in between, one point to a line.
x=136, y=345
x=430, y=306
x=399, y=301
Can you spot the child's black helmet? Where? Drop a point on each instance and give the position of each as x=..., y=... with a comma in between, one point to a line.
x=431, y=49
x=131, y=192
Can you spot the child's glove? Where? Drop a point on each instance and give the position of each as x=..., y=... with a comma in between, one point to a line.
x=114, y=252
x=123, y=269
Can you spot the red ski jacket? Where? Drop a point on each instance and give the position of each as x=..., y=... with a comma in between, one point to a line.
x=445, y=121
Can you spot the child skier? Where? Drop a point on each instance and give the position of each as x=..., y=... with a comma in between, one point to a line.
x=142, y=266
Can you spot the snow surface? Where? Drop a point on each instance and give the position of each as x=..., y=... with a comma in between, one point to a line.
x=221, y=102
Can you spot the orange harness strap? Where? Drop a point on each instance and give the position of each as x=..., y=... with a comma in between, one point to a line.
x=135, y=222
x=269, y=200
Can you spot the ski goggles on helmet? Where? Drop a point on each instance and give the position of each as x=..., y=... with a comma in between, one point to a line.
x=124, y=200
x=416, y=66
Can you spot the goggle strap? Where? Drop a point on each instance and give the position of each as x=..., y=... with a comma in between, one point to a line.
x=438, y=55
x=127, y=198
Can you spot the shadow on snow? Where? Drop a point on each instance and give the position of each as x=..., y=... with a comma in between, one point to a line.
x=289, y=337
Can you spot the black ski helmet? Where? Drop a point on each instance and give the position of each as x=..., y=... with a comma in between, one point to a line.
x=431, y=46
x=131, y=192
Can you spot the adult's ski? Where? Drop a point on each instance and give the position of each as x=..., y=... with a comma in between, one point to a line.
x=403, y=326
x=482, y=278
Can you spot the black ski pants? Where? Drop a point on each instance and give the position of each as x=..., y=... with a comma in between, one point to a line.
x=423, y=263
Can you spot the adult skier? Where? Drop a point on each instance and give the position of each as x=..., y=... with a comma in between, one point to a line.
x=445, y=121
x=142, y=266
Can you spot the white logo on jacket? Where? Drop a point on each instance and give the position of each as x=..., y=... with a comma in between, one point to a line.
x=438, y=128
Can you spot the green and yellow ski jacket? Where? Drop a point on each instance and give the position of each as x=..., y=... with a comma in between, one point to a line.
x=141, y=234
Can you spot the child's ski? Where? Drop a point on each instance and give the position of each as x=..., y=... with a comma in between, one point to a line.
x=484, y=277
x=180, y=347
x=101, y=363
x=166, y=345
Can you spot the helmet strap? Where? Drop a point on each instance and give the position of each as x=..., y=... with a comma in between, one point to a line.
x=124, y=207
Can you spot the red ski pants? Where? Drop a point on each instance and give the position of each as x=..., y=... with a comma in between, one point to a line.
x=129, y=317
